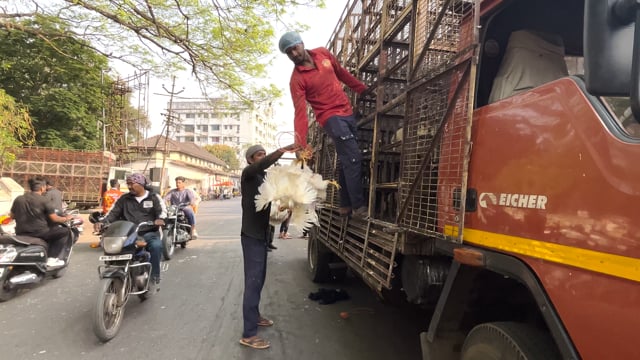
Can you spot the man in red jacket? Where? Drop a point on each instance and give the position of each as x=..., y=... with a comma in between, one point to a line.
x=317, y=79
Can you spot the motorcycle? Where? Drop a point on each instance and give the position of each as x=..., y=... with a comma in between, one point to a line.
x=177, y=230
x=126, y=271
x=23, y=259
x=168, y=246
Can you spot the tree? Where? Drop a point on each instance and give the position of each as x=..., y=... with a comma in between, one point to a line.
x=225, y=153
x=15, y=128
x=225, y=43
x=59, y=80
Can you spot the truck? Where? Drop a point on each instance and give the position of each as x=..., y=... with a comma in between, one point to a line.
x=500, y=149
x=80, y=175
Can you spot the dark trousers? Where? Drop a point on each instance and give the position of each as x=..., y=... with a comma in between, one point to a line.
x=284, y=226
x=343, y=131
x=254, y=253
x=57, y=237
x=154, y=245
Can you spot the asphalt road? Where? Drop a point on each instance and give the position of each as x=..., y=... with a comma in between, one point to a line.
x=198, y=312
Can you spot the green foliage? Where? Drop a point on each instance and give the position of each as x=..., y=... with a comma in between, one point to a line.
x=225, y=153
x=226, y=44
x=59, y=81
x=15, y=128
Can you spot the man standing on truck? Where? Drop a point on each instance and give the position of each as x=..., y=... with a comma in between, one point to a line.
x=254, y=235
x=317, y=79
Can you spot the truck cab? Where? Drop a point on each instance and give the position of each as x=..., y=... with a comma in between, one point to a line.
x=500, y=139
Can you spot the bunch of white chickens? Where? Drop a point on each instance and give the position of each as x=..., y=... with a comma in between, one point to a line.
x=292, y=187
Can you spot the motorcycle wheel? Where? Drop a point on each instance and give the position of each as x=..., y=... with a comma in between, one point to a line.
x=108, y=315
x=6, y=293
x=168, y=247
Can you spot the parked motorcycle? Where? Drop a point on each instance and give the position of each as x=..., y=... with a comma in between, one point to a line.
x=177, y=230
x=126, y=271
x=23, y=259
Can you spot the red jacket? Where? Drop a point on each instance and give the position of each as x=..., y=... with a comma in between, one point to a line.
x=322, y=88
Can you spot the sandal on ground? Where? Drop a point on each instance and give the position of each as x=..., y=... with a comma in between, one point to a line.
x=265, y=322
x=255, y=342
x=286, y=236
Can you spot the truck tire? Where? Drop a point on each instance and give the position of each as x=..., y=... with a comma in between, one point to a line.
x=508, y=340
x=318, y=259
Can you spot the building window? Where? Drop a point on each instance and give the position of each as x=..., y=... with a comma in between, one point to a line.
x=188, y=138
x=215, y=127
x=215, y=139
x=191, y=116
x=203, y=128
x=189, y=129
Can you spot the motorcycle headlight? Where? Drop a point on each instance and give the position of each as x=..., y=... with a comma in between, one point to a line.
x=8, y=254
x=113, y=245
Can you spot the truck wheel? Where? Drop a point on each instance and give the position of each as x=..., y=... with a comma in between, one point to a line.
x=508, y=340
x=318, y=258
x=6, y=293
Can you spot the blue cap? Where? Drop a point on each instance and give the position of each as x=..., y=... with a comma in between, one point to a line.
x=288, y=40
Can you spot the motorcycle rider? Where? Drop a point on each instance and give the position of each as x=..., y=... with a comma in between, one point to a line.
x=181, y=195
x=35, y=216
x=140, y=205
x=55, y=196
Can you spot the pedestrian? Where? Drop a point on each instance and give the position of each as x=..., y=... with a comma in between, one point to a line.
x=284, y=227
x=253, y=237
x=317, y=79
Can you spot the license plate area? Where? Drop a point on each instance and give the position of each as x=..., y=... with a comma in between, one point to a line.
x=115, y=257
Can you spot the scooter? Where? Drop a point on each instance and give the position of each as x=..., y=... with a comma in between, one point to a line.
x=23, y=259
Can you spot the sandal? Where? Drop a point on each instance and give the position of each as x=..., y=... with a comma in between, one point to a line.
x=265, y=322
x=255, y=342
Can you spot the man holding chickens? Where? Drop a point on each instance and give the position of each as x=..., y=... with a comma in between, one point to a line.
x=253, y=236
x=317, y=79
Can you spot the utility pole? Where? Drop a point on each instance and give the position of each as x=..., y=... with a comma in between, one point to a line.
x=169, y=124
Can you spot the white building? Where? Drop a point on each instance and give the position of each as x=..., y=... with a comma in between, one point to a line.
x=218, y=121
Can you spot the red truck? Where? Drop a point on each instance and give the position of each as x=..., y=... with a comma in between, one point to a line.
x=500, y=141
x=80, y=175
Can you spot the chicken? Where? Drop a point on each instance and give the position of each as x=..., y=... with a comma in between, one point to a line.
x=293, y=187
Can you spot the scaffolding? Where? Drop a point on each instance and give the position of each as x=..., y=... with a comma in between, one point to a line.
x=126, y=112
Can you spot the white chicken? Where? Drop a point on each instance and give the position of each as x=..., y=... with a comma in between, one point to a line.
x=293, y=187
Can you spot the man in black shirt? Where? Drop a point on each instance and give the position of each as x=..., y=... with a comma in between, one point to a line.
x=254, y=236
x=141, y=205
x=35, y=216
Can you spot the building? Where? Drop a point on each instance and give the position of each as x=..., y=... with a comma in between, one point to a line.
x=202, y=170
x=218, y=121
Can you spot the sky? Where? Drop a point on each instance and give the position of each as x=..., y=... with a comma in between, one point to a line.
x=321, y=23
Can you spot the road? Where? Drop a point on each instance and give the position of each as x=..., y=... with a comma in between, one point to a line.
x=198, y=314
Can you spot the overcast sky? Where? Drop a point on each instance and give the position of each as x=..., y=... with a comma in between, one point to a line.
x=321, y=24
